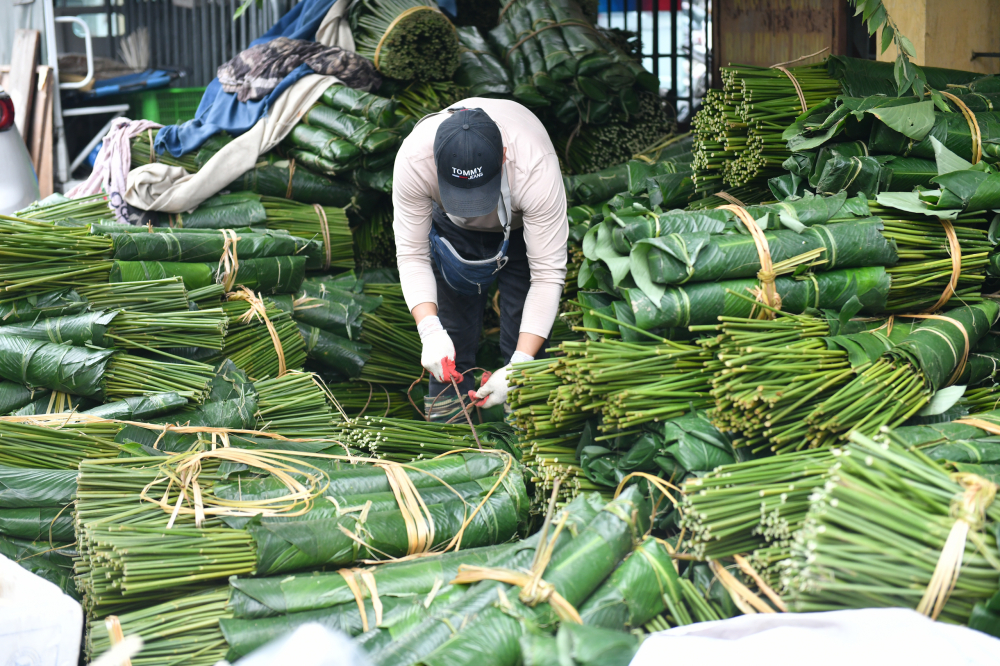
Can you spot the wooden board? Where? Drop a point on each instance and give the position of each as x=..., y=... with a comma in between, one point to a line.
x=38, y=115
x=945, y=33
x=21, y=84
x=766, y=32
x=41, y=130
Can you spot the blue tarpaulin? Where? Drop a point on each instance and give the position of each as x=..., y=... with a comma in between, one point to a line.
x=147, y=80
x=221, y=111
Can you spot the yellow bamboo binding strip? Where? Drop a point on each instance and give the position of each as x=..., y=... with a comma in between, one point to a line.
x=259, y=310
x=798, y=88
x=970, y=117
x=801, y=58
x=416, y=515
x=745, y=600
x=726, y=196
x=969, y=510
x=229, y=263
x=534, y=590
x=152, y=153
x=768, y=292
x=368, y=578
x=988, y=426
x=325, y=228
x=403, y=14
x=352, y=585
x=764, y=587
x=506, y=58
x=115, y=633
x=291, y=173
x=504, y=11
x=955, y=249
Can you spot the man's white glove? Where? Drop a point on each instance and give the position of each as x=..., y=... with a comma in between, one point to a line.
x=494, y=391
x=438, y=353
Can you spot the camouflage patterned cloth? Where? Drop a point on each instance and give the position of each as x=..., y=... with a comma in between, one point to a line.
x=258, y=70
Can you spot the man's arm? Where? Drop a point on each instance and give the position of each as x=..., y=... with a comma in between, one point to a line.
x=546, y=231
x=411, y=225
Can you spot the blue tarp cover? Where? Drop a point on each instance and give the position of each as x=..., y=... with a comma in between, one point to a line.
x=221, y=111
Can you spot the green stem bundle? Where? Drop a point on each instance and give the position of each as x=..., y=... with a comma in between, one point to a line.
x=396, y=347
x=305, y=221
x=249, y=343
x=167, y=295
x=295, y=405
x=42, y=255
x=897, y=385
x=405, y=42
x=738, y=131
x=93, y=208
x=404, y=440
x=129, y=375
x=62, y=446
x=875, y=533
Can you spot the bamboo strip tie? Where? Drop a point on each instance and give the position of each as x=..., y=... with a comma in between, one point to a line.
x=259, y=310
x=969, y=509
x=229, y=263
x=349, y=576
x=413, y=544
x=982, y=424
x=152, y=153
x=504, y=11
x=970, y=117
x=116, y=635
x=188, y=468
x=801, y=58
x=857, y=172
x=369, y=580
x=745, y=600
x=506, y=58
x=764, y=587
x=291, y=174
x=403, y=14
x=726, y=196
x=352, y=585
x=955, y=249
x=655, y=567
x=798, y=88
x=768, y=292
x=534, y=590
x=325, y=228
x=416, y=515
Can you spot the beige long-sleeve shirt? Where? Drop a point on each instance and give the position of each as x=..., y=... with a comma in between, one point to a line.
x=538, y=203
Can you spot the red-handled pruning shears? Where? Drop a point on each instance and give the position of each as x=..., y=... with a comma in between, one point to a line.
x=482, y=382
x=451, y=373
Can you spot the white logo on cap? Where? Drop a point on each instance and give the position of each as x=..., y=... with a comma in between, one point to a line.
x=467, y=174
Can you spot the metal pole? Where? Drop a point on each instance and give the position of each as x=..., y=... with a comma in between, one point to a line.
x=52, y=56
x=690, y=59
x=673, y=54
x=656, y=39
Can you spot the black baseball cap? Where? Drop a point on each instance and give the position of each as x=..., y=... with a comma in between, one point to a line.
x=468, y=152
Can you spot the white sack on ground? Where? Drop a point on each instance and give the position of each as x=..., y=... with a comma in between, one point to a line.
x=868, y=637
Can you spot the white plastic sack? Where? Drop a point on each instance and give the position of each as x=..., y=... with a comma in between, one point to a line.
x=310, y=645
x=868, y=637
x=39, y=625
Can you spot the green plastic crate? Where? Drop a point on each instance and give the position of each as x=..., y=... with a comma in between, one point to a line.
x=167, y=106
